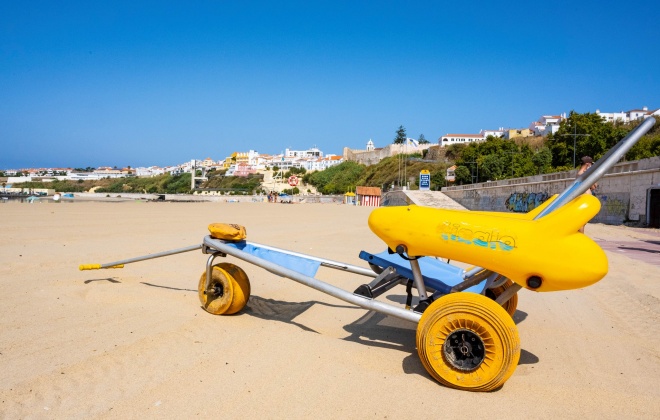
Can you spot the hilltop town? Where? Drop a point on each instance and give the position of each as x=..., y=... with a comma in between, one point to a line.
x=245, y=163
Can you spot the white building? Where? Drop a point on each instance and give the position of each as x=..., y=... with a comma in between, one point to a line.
x=547, y=124
x=309, y=153
x=627, y=116
x=493, y=133
x=310, y=159
x=620, y=117
x=157, y=170
x=449, y=139
x=323, y=163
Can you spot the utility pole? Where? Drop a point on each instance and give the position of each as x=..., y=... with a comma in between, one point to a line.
x=575, y=135
x=472, y=171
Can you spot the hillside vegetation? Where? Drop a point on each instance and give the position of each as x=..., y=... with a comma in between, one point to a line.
x=493, y=159
x=161, y=184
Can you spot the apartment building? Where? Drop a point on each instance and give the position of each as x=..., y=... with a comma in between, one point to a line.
x=449, y=139
x=628, y=116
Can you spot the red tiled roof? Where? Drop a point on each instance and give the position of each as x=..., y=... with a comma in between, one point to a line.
x=367, y=190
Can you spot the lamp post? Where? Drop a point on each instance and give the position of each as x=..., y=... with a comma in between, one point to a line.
x=575, y=135
x=472, y=171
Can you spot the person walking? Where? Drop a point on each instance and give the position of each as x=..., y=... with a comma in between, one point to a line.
x=586, y=164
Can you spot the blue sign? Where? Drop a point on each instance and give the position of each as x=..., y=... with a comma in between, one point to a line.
x=424, y=180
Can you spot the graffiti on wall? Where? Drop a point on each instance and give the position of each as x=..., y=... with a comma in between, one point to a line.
x=613, y=208
x=524, y=202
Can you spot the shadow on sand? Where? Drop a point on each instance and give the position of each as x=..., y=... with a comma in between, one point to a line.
x=110, y=279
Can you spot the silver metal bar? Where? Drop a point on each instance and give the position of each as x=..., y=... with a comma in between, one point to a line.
x=373, y=305
x=152, y=256
x=508, y=293
x=209, y=268
x=472, y=272
x=418, y=279
x=324, y=262
x=583, y=182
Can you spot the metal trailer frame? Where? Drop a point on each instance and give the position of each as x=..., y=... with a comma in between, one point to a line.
x=217, y=247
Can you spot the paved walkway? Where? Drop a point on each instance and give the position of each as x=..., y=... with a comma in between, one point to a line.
x=435, y=199
x=645, y=249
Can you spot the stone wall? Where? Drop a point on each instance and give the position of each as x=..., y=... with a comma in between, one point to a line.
x=435, y=152
x=623, y=192
x=375, y=156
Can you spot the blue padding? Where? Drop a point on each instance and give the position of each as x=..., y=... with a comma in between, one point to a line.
x=292, y=262
x=438, y=275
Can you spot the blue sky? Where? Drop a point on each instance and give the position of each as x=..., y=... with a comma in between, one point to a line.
x=146, y=83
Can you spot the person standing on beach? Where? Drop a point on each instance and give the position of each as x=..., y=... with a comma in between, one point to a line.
x=586, y=164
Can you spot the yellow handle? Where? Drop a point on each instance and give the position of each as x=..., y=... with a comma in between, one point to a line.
x=83, y=267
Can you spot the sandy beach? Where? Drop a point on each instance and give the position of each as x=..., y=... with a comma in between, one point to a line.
x=135, y=343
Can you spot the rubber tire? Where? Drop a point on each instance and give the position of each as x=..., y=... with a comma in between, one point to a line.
x=483, y=317
x=235, y=285
x=510, y=305
x=241, y=287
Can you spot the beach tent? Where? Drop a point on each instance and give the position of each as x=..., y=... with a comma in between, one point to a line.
x=349, y=198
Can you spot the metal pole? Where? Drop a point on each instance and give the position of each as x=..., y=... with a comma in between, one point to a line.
x=119, y=264
x=587, y=179
x=600, y=168
x=575, y=136
x=324, y=262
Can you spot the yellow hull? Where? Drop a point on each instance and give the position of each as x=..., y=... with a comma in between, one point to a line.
x=549, y=249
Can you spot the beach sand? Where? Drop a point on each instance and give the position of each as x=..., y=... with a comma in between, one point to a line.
x=135, y=343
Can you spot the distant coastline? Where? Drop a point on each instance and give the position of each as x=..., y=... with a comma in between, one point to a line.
x=182, y=198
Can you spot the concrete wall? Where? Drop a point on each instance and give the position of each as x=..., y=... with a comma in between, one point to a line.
x=622, y=192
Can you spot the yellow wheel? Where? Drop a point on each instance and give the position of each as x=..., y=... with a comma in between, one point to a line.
x=511, y=304
x=229, y=290
x=241, y=287
x=467, y=341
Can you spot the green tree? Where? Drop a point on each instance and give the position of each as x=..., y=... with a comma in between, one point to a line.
x=649, y=145
x=455, y=151
x=542, y=159
x=463, y=175
x=400, y=135
x=583, y=135
x=291, y=191
x=295, y=171
x=493, y=167
x=337, y=179
x=422, y=139
x=438, y=180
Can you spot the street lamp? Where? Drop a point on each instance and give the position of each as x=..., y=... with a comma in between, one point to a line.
x=472, y=171
x=575, y=135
